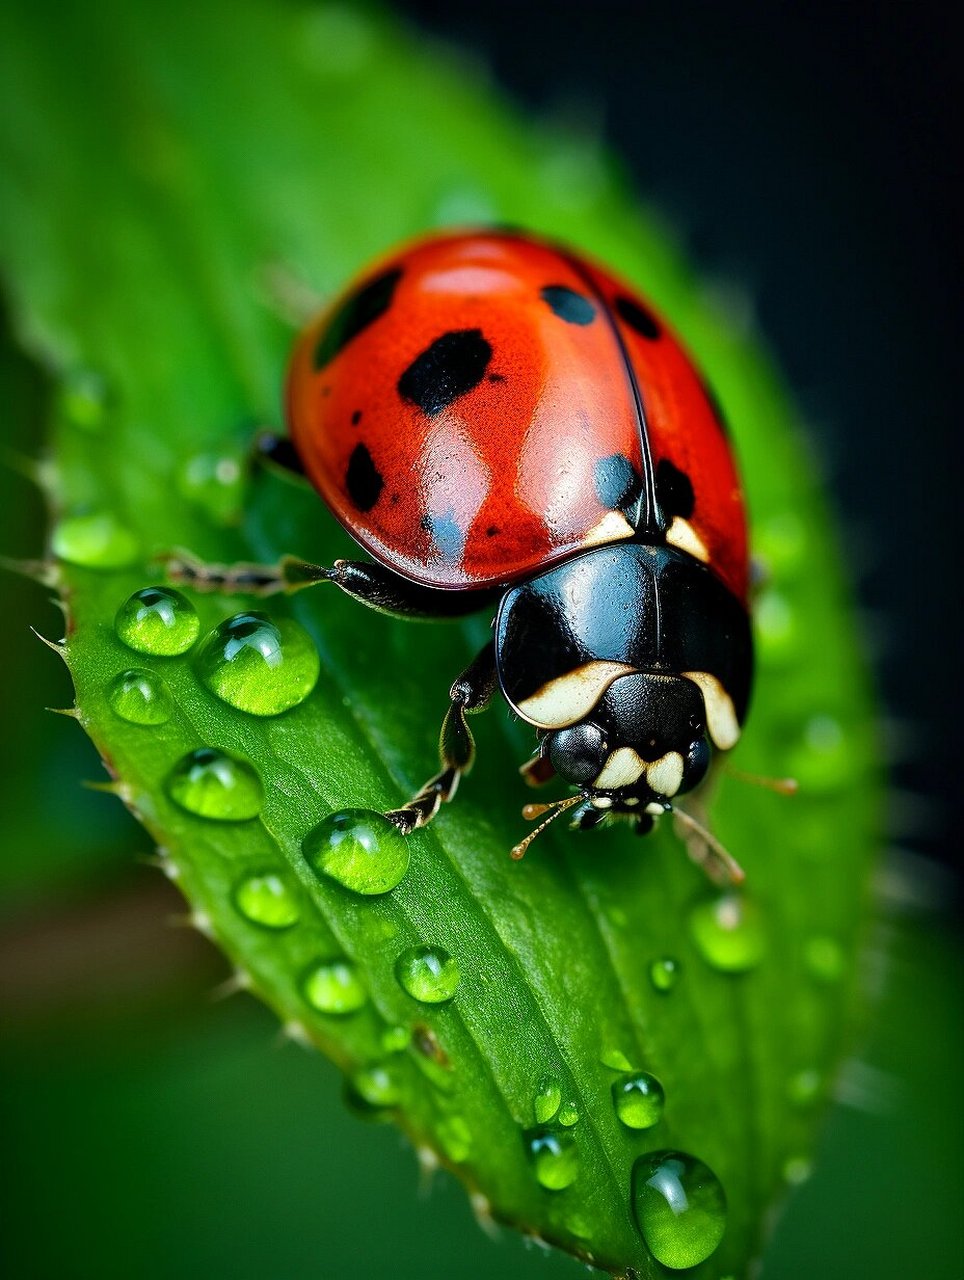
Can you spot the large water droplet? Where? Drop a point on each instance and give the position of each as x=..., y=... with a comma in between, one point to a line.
x=213, y=784
x=664, y=974
x=334, y=986
x=680, y=1207
x=267, y=901
x=361, y=850
x=728, y=932
x=257, y=664
x=638, y=1099
x=375, y=1086
x=428, y=974
x=547, y=1100
x=140, y=697
x=159, y=621
x=554, y=1156
x=96, y=540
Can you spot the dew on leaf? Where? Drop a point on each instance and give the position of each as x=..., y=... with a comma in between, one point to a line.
x=361, y=850
x=638, y=1100
x=554, y=1156
x=213, y=784
x=159, y=621
x=214, y=483
x=568, y=1115
x=680, y=1207
x=258, y=664
x=334, y=986
x=94, y=540
x=428, y=974
x=140, y=697
x=455, y=1138
x=266, y=900
x=664, y=974
x=547, y=1100
x=375, y=1086
x=395, y=1039
x=728, y=933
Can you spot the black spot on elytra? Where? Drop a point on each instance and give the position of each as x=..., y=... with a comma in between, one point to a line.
x=356, y=418
x=618, y=485
x=454, y=364
x=362, y=479
x=496, y=377
x=569, y=305
x=356, y=313
x=674, y=490
x=491, y=531
x=638, y=318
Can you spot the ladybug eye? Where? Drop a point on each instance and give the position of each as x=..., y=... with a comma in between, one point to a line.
x=696, y=764
x=579, y=752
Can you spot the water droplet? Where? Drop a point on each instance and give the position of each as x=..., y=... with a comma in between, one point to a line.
x=455, y=1138
x=96, y=540
x=428, y=974
x=825, y=959
x=554, y=1156
x=396, y=1039
x=615, y=1060
x=728, y=932
x=213, y=784
x=547, y=1100
x=803, y=1087
x=638, y=1100
x=664, y=973
x=375, y=1086
x=159, y=621
x=568, y=1115
x=140, y=697
x=266, y=900
x=83, y=399
x=257, y=664
x=361, y=850
x=680, y=1207
x=214, y=482
x=334, y=986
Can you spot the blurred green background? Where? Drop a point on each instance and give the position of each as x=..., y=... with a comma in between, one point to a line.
x=154, y=1130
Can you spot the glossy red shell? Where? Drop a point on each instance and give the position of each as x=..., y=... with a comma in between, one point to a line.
x=482, y=473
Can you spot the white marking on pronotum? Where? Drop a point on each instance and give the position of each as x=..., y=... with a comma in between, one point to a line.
x=568, y=698
x=610, y=528
x=682, y=534
x=602, y=802
x=622, y=769
x=665, y=775
x=720, y=713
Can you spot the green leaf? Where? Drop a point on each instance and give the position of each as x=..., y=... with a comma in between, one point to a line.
x=176, y=176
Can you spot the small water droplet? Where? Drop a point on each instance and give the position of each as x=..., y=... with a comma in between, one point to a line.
x=96, y=540
x=547, y=1100
x=638, y=1100
x=824, y=958
x=375, y=1086
x=554, y=1156
x=258, y=664
x=215, y=483
x=680, y=1207
x=266, y=900
x=728, y=932
x=83, y=399
x=803, y=1087
x=664, y=974
x=797, y=1170
x=334, y=986
x=212, y=784
x=396, y=1039
x=140, y=697
x=159, y=621
x=428, y=974
x=359, y=849
x=455, y=1138
x=568, y=1115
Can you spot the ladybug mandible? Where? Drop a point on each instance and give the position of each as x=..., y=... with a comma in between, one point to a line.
x=499, y=422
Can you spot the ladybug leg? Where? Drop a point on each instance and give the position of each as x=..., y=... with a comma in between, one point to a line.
x=471, y=692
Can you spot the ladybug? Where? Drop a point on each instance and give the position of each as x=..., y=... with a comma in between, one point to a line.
x=499, y=422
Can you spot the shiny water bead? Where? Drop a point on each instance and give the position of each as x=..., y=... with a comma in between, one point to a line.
x=428, y=974
x=728, y=933
x=359, y=849
x=96, y=540
x=547, y=1100
x=212, y=784
x=568, y=1115
x=335, y=987
x=395, y=1039
x=140, y=697
x=258, y=664
x=825, y=959
x=680, y=1207
x=664, y=974
x=267, y=901
x=554, y=1157
x=159, y=621
x=215, y=483
x=638, y=1100
x=375, y=1086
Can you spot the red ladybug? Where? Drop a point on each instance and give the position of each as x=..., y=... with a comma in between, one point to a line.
x=498, y=421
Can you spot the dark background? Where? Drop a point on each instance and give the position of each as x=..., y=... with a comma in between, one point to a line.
x=806, y=154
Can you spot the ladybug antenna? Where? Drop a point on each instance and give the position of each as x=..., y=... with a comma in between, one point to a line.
x=531, y=811
x=717, y=855
x=782, y=786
